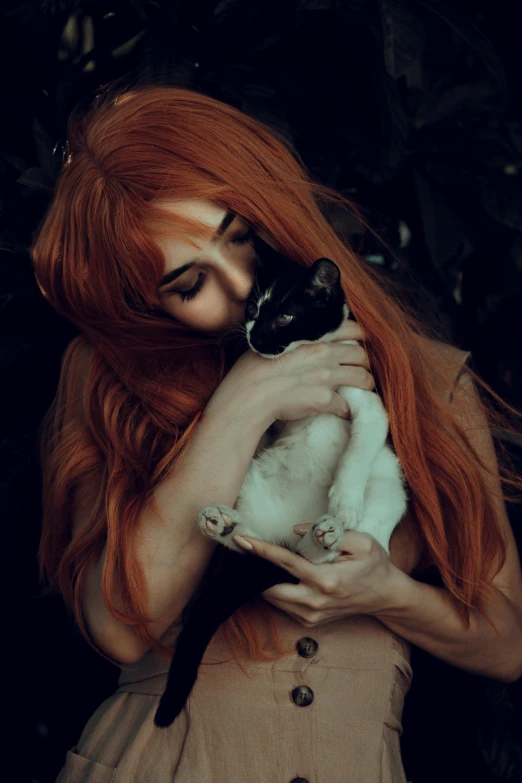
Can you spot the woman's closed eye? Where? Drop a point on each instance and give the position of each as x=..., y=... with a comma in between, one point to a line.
x=192, y=292
x=243, y=239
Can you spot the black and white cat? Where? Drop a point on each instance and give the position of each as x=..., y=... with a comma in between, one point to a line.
x=331, y=472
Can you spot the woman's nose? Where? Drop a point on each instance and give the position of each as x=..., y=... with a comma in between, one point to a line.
x=238, y=279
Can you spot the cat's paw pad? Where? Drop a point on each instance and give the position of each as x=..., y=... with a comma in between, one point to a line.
x=217, y=521
x=328, y=532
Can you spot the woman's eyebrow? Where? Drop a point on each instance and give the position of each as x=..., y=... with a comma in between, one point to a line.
x=175, y=273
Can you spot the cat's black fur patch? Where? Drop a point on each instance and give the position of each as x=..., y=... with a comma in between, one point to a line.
x=312, y=295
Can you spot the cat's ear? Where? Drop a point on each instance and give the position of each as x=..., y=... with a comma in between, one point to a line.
x=324, y=277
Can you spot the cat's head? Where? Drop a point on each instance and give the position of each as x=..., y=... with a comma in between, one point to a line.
x=291, y=304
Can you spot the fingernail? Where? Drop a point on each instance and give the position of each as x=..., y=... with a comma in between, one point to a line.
x=299, y=529
x=240, y=541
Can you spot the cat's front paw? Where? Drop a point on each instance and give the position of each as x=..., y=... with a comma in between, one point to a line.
x=217, y=521
x=346, y=505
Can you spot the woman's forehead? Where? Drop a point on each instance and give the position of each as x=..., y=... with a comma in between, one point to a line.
x=204, y=211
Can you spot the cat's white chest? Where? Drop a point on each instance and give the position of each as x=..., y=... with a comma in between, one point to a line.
x=336, y=474
x=305, y=450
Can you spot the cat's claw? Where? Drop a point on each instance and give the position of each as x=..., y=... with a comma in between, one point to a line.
x=217, y=521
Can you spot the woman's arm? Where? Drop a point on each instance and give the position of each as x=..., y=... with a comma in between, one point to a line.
x=172, y=552
x=423, y=615
x=366, y=581
x=254, y=393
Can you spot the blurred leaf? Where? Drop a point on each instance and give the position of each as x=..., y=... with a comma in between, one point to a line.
x=46, y=150
x=403, y=37
x=500, y=733
x=478, y=43
x=440, y=104
x=70, y=36
x=126, y=48
x=141, y=7
x=444, y=232
x=476, y=165
x=251, y=26
x=501, y=197
x=15, y=161
x=397, y=125
x=37, y=179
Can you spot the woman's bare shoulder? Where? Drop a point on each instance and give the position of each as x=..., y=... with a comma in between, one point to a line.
x=445, y=364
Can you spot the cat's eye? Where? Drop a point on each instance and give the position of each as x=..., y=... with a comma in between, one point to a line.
x=284, y=320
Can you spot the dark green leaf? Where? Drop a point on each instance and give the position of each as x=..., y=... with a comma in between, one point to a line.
x=436, y=106
x=478, y=43
x=403, y=37
x=37, y=179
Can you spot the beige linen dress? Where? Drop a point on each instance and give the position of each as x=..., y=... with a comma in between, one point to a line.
x=329, y=712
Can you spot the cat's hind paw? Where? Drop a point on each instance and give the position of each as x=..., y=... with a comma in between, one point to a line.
x=322, y=541
x=217, y=521
x=328, y=532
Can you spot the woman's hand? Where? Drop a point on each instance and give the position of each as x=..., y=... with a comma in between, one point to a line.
x=299, y=383
x=361, y=581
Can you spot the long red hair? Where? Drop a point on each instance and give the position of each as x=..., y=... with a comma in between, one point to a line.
x=150, y=377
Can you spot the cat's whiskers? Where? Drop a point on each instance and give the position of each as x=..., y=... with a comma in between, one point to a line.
x=289, y=292
x=238, y=332
x=278, y=356
x=256, y=289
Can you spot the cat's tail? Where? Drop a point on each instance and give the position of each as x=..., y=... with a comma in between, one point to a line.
x=243, y=578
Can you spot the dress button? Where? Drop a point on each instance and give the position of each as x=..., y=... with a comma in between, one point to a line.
x=306, y=647
x=302, y=695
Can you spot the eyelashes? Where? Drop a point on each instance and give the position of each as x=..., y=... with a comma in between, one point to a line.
x=193, y=291
x=241, y=240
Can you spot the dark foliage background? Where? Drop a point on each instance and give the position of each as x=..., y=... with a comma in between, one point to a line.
x=412, y=108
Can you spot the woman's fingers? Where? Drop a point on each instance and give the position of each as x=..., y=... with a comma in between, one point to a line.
x=350, y=331
x=299, y=594
x=352, y=375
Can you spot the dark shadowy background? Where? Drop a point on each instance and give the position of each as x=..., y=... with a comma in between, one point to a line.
x=410, y=107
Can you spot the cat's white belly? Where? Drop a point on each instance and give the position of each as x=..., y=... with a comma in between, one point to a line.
x=288, y=483
x=273, y=513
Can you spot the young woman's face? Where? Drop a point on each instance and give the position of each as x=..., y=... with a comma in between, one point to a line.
x=207, y=287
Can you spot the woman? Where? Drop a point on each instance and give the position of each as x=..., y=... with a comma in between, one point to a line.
x=147, y=249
